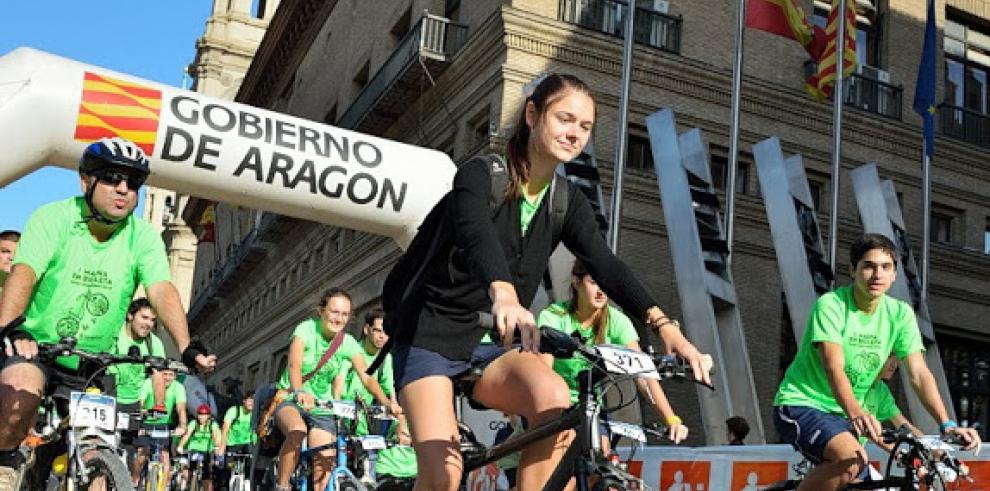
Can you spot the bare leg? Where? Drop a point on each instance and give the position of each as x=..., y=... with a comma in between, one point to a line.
x=291, y=424
x=521, y=383
x=21, y=385
x=844, y=459
x=428, y=405
x=325, y=460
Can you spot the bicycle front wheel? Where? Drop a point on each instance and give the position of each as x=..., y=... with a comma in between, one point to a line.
x=106, y=464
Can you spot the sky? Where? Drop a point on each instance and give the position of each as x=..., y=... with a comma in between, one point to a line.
x=154, y=40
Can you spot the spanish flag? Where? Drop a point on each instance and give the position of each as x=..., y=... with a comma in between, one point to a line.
x=112, y=107
x=208, y=224
x=819, y=85
x=785, y=18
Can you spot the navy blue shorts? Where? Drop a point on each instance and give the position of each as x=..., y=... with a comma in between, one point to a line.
x=808, y=430
x=410, y=363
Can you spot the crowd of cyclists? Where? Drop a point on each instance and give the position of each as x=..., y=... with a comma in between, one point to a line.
x=79, y=262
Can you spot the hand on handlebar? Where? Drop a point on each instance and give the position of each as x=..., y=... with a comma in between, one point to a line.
x=509, y=315
x=24, y=347
x=305, y=400
x=677, y=433
x=865, y=424
x=206, y=363
x=701, y=363
x=395, y=409
x=968, y=438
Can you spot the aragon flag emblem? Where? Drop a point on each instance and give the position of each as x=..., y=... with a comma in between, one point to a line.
x=112, y=107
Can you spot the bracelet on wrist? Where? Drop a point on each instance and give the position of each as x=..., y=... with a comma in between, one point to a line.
x=673, y=420
x=947, y=425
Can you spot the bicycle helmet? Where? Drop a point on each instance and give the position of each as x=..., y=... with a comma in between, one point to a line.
x=111, y=152
x=203, y=409
x=114, y=152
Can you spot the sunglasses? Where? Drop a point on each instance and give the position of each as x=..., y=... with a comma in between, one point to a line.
x=115, y=177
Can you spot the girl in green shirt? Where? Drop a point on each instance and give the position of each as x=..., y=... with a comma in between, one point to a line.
x=203, y=437
x=589, y=314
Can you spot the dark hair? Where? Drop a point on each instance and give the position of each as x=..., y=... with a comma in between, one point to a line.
x=551, y=88
x=867, y=243
x=11, y=235
x=138, y=304
x=738, y=427
x=599, y=324
x=334, y=291
x=374, y=315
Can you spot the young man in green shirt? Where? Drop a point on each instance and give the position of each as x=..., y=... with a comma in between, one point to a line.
x=138, y=332
x=819, y=407
x=373, y=339
x=237, y=436
x=79, y=263
x=8, y=246
x=157, y=426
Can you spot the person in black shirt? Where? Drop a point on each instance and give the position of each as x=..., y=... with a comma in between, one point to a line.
x=495, y=264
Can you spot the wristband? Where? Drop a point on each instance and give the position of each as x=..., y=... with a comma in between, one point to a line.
x=947, y=425
x=674, y=420
x=189, y=354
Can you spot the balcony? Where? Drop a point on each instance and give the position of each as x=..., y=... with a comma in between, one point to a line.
x=964, y=124
x=652, y=28
x=241, y=258
x=874, y=96
x=425, y=51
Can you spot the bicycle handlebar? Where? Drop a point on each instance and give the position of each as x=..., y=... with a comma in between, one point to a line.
x=67, y=347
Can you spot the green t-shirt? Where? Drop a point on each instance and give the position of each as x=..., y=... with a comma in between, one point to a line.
x=201, y=439
x=84, y=286
x=880, y=402
x=867, y=340
x=175, y=393
x=528, y=210
x=353, y=388
x=240, y=426
x=397, y=461
x=619, y=331
x=321, y=383
x=131, y=376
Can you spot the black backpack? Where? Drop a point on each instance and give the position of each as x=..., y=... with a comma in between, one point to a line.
x=402, y=291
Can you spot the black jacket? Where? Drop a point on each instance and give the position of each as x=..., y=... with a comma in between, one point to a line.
x=487, y=249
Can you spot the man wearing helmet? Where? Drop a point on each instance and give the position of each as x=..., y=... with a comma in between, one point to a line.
x=75, y=272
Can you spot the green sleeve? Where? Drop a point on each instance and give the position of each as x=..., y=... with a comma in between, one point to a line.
x=908, y=335
x=145, y=392
x=826, y=319
x=41, y=237
x=231, y=415
x=157, y=347
x=151, y=260
x=551, y=317
x=180, y=392
x=886, y=406
x=387, y=378
x=620, y=329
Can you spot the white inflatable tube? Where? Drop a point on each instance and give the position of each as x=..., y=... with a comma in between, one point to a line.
x=52, y=107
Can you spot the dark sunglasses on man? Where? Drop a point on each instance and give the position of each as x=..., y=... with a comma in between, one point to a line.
x=114, y=177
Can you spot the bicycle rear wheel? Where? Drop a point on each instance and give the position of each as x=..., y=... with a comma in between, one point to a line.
x=108, y=465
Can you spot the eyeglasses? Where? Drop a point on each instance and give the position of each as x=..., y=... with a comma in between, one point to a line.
x=115, y=177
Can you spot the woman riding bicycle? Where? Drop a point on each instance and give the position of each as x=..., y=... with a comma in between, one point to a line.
x=311, y=381
x=589, y=314
x=496, y=263
x=203, y=441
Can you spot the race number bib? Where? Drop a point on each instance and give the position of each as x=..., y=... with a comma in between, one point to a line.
x=92, y=411
x=344, y=409
x=373, y=442
x=123, y=421
x=623, y=360
x=627, y=430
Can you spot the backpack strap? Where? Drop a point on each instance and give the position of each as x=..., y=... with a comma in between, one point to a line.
x=559, y=194
x=337, y=341
x=500, y=181
x=559, y=201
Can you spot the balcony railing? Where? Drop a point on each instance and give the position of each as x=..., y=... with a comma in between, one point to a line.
x=433, y=40
x=874, y=96
x=964, y=124
x=652, y=28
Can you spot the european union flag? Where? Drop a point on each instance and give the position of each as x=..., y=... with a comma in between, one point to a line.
x=924, y=91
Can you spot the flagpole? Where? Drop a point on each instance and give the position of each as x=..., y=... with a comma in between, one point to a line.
x=926, y=196
x=838, y=98
x=730, y=181
x=620, y=144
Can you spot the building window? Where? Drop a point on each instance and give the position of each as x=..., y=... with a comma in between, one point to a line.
x=401, y=26
x=720, y=174
x=986, y=239
x=361, y=77
x=967, y=65
x=942, y=227
x=967, y=372
x=639, y=154
x=480, y=127
x=868, y=29
x=258, y=8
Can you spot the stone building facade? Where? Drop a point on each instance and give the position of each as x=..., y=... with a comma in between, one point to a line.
x=363, y=65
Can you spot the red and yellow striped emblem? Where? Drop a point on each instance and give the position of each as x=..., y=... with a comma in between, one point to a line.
x=112, y=107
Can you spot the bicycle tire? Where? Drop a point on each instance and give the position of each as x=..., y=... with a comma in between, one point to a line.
x=106, y=462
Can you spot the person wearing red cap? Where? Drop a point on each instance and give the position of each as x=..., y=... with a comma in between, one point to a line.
x=203, y=441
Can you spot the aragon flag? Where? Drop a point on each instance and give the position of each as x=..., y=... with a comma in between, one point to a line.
x=207, y=223
x=819, y=85
x=786, y=18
